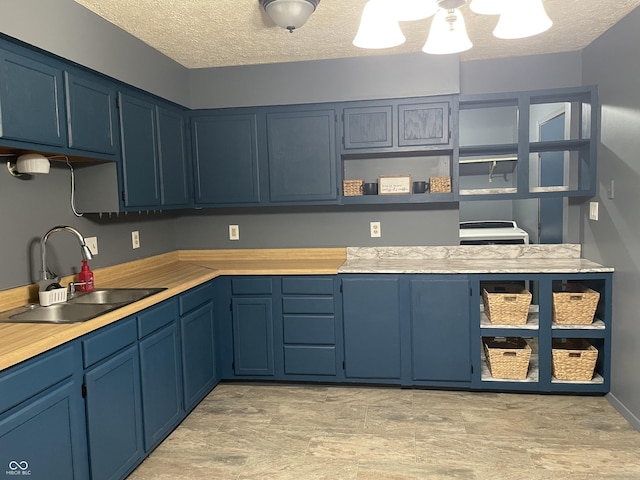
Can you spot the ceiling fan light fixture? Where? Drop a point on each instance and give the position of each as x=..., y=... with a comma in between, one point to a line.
x=411, y=10
x=378, y=27
x=522, y=19
x=487, y=7
x=289, y=14
x=448, y=33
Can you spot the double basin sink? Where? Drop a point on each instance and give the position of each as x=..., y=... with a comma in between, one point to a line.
x=80, y=308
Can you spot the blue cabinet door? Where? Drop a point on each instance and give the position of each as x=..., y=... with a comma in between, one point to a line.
x=139, y=152
x=198, y=354
x=440, y=329
x=172, y=156
x=423, y=124
x=31, y=101
x=302, y=156
x=372, y=335
x=226, y=159
x=39, y=439
x=114, y=417
x=368, y=127
x=91, y=114
x=253, y=336
x=161, y=382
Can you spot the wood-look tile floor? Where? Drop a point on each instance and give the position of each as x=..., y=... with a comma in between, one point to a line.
x=284, y=432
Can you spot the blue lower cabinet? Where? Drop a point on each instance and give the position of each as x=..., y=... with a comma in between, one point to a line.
x=372, y=330
x=440, y=329
x=310, y=360
x=114, y=416
x=161, y=382
x=253, y=336
x=198, y=354
x=40, y=438
x=42, y=425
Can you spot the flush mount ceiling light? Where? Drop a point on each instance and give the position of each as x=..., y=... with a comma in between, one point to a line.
x=289, y=14
x=380, y=27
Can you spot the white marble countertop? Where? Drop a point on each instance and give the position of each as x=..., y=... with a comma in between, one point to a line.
x=563, y=258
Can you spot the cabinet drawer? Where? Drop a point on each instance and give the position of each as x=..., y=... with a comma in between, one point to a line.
x=309, y=360
x=26, y=380
x=195, y=297
x=307, y=285
x=319, y=330
x=307, y=305
x=251, y=286
x=109, y=341
x=156, y=317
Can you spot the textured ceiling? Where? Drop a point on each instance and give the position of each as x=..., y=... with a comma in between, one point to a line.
x=215, y=33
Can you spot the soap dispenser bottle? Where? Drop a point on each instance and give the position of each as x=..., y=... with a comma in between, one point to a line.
x=85, y=278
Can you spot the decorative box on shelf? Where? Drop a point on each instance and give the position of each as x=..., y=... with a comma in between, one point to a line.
x=440, y=184
x=352, y=188
x=394, y=184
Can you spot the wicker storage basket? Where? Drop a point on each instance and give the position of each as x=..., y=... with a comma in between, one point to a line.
x=507, y=357
x=440, y=184
x=351, y=188
x=573, y=359
x=506, y=304
x=575, y=304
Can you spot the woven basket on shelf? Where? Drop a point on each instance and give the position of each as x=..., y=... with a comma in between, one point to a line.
x=575, y=305
x=506, y=304
x=352, y=188
x=573, y=359
x=507, y=357
x=440, y=184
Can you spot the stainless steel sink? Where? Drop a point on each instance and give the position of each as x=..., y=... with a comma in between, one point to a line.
x=80, y=308
x=60, y=313
x=114, y=295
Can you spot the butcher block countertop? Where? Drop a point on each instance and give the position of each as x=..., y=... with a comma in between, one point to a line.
x=176, y=271
x=184, y=269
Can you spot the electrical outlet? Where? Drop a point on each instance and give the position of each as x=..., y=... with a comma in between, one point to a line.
x=593, y=211
x=374, y=227
x=92, y=243
x=234, y=232
x=135, y=239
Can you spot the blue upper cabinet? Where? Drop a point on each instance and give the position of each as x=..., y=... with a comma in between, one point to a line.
x=368, y=127
x=424, y=124
x=31, y=101
x=139, y=152
x=173, y=158
x=91, y=114
x=383, y=127
x=226, y=159
x=154, y=154
x=302, y=155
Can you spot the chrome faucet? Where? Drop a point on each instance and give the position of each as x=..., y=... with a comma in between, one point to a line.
x=45, y=274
